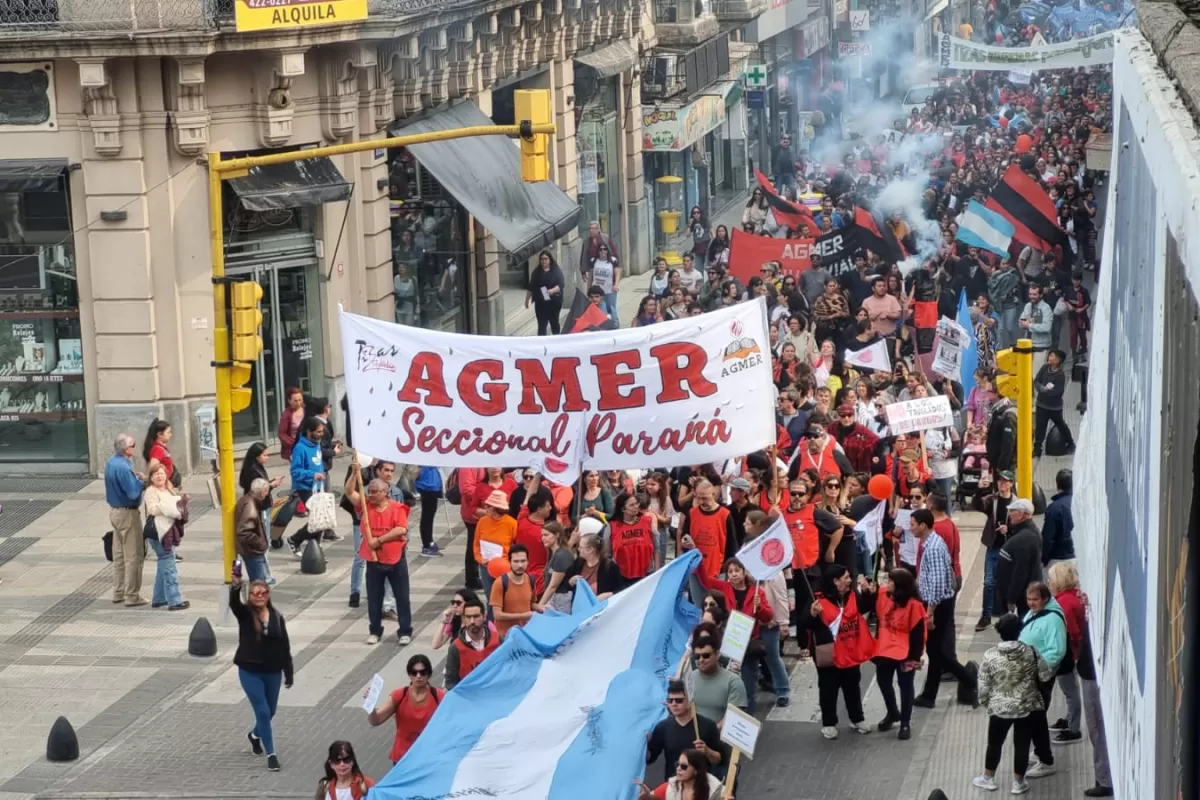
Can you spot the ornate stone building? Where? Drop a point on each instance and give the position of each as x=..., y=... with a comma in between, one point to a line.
x=108, y=107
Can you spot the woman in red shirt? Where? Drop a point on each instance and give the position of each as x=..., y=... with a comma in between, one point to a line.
x=412, y=706
x=631, y=535
x=155, y=449
x=899, y=646
x=835, y=619
x=288, y=429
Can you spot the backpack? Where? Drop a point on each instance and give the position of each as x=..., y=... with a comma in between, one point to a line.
x=453, y=493
x=433, y=693
x=533, y=587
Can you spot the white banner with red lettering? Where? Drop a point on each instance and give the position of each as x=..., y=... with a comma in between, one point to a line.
x=683, y=392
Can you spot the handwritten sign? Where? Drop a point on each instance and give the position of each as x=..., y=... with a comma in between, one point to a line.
x=740, y=730
x=920, y=414
x=737, y=636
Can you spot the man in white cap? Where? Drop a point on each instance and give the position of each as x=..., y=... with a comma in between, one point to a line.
x=1020, y=561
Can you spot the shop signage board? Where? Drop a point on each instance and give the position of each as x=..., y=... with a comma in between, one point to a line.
x=756, y=77
x=671, y=128
x=848, y=49
x=264, y=15
x=756, y=99
x=670, y=394
x=816, y=36
x=860, y=20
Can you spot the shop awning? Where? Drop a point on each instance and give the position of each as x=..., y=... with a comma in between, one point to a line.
x=311, y=182
x=937, y=8
x=31, y=175
x=720, y=88
x=611, y=59
x=483, y=173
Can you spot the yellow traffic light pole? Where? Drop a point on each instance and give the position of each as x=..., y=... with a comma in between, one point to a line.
x=1017, y=385
x=532, y=107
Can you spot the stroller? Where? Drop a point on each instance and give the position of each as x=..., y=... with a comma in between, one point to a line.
x=972, y=466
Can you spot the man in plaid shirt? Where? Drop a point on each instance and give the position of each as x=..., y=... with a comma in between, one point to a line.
x=935, y=582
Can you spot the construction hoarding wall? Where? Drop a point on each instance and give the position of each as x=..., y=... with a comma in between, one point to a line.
x=1135, y=480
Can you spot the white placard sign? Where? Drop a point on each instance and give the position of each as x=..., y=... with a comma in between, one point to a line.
x=908, y=542
x=372, y=692
x=740, y=730
x=952, y=339
x=683, y=392
x=738, y=629
x=860, y=20
x=916, y=415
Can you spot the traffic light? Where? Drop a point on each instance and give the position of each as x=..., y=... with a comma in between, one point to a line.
x=1017, y=385
x=532, y=106
x=247, y=320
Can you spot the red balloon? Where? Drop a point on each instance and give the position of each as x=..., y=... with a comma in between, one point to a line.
x=880, y=487
x=1004, y=123
x=498, y=567
x=1024, y=143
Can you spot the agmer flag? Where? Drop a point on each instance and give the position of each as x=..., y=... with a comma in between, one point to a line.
x=681, y=392
x=769, y=554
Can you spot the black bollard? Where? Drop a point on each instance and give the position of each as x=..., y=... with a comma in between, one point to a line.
x=938, y=794
x=203, y=641
x=1039, y=500
x=62, y=744
x=312, y=562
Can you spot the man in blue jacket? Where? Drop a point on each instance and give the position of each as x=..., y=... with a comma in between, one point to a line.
x=307, y=469
x=123, y=491
x=1058, y=543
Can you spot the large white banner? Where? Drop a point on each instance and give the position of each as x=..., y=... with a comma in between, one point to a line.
x=955, y=53
x=683, y=392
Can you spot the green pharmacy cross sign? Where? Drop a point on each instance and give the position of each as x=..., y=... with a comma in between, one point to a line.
x=756, y=77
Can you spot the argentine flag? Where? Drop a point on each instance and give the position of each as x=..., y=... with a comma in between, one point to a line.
x=562, y=708
x=983, y=228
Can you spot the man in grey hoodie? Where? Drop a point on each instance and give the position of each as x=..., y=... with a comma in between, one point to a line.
x=1036, y=320
x=1020, y=560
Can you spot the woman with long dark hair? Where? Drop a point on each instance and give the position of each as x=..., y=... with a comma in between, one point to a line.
x=546, y=285
x=155, y=449
x=254, y=466
x=344, y=779
x=692, y=781
x=263, y=659
x=452, y=618
x=899, y=647
x=840, y=672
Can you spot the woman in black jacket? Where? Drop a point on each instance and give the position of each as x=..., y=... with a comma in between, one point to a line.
x=263, y=659
x=546, y=285
x=254, y=466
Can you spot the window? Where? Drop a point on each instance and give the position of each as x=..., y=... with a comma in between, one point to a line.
x=27, y=97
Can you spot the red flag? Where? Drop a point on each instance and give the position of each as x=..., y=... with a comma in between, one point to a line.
x=879, y=239
x=1022, y=201
x=787, y=213
x=592, y=317
x=747, y=254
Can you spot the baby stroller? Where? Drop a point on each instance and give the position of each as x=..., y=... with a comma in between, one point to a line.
x=972, y=466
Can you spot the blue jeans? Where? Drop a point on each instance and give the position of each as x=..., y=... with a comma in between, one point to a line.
x=863, y=556
x=262, y=690
x=358, y=568
x=990, y=560
x=1010, y=330
x=773, y=661
x=610, y=304
x=378, y=575
x=166, y=576
x=256, y=568
x=945, y=487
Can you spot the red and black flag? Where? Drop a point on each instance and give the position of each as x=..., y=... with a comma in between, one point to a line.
x=787, y=214
x=1021, y=200
x=585, y=316
x=879, y=239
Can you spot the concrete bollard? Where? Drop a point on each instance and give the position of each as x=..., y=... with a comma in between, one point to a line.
x=202, y=641
x=312, y=561
x=62, y=744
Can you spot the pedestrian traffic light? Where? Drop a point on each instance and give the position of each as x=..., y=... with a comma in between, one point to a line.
x=532, y=107
x=246, y=344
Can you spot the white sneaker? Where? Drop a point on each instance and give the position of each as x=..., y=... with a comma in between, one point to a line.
x=1040, y=770
x=860, y=727
x=403, y=640
x=372, y=639
x=985, y=782
x=829, y=732
x=1020, y=787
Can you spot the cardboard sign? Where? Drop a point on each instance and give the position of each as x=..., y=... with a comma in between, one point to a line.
x=740, y=730
x=737, y=636
x=920, y=414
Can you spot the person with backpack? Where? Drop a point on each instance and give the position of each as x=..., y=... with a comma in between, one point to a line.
x=412, y=706
x=513, y=595
x=1044, y=628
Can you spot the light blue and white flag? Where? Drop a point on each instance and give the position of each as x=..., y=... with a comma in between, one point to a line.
x=985, y=229
x=562, y=709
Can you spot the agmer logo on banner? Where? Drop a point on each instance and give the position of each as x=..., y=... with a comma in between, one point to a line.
x=676, y=393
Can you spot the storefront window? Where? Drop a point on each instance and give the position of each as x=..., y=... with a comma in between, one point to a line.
x=42, y=412
x=429, y=249
x=596, y=140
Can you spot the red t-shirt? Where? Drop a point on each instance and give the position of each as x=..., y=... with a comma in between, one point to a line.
x=529, y=533
x=411, y=718
x=394, y=515
x=946, y=529
x=483, y=490
x=633, y=546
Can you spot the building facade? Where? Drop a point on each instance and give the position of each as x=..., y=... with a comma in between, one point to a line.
x=108, y=110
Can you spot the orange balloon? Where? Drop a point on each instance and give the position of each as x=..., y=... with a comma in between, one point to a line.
x=880, y=487
x=1004, y=123
x=498, y=566
x=1024, y=143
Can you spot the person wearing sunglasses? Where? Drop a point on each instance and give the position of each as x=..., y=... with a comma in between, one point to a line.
x=263, y=658
x=807, y=524
x=343, y=780
x=692, y=780
x=677, y=733
x=412, y=706
x=712, y=687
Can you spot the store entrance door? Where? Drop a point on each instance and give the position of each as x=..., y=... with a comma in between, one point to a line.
x=288, y=347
